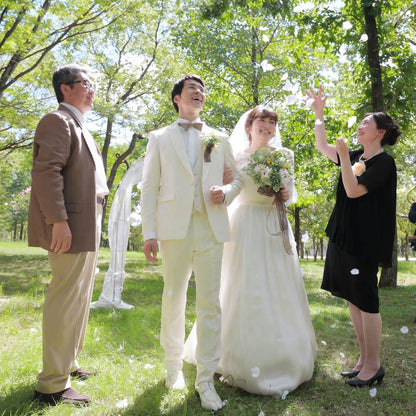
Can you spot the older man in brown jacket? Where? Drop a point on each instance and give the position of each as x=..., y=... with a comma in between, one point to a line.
x=68, y=192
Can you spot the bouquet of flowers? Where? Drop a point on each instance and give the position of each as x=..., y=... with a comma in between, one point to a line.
x=270, y=169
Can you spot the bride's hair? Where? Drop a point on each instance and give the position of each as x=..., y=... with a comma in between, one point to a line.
x=259, y=111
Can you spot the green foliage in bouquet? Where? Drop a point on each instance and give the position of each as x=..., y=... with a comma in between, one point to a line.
x=270, y=168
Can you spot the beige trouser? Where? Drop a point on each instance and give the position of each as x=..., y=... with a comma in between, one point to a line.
x=200, y=252
x=65, y=315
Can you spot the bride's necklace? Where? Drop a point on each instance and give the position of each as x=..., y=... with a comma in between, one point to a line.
x=363, y=159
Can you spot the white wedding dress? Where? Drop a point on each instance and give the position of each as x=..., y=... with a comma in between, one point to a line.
x=268, y=342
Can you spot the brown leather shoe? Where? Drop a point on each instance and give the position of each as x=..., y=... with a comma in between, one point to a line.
x=83, y=374
x=64, y=396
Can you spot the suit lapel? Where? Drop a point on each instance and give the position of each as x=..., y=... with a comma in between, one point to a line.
x=175, y=137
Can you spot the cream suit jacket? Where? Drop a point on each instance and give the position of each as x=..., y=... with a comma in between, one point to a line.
x=168, y=185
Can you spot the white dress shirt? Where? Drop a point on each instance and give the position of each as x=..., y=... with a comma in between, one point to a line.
x=191, y=139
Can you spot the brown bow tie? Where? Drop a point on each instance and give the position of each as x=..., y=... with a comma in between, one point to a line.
x=186, y=126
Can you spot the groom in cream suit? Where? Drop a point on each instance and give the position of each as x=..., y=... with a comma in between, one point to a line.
x=184, y=208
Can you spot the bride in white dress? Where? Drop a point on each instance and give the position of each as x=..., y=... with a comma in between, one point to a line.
x=268, y=342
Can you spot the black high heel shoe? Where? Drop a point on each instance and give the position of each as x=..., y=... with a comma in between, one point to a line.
x=357, y=382
x=350, y=373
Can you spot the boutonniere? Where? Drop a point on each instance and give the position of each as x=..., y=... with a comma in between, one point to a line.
x=209, y=141
x=358, y=168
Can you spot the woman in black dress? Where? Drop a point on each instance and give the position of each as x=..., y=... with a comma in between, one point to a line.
x=360, y=229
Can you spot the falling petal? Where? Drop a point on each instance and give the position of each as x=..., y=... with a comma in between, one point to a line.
x=342, y=355
x=347, y=25
x=255, y=372
x=122, y=404
x=404, y=329
x=318, y=122
x=148, y=366
x=354, y=272
x=351, y=121
x=323, y=342
x=364, y=37
x=373, y=392
x=309, y=102
x=288, y=85
x=291, y=100
x=266, y=66
x=285, y=393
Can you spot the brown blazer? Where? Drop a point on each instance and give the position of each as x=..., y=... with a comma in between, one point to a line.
x=63, y=182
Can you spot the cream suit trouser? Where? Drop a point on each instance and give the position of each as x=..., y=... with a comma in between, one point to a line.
x=200, y=252
x=65, y=314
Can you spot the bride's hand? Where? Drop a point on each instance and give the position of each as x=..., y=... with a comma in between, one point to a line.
x=285, y=193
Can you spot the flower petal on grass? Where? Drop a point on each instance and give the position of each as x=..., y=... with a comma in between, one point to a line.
x=255, y=372
x=342, y=355
x=323, y=342
x=122, y=404
x=285, y=393
x=373, y=392
x=404, y=329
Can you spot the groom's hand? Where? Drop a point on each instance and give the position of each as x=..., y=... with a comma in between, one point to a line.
x=217, y=195
x=150, y=250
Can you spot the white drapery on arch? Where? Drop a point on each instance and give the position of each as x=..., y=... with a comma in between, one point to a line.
x=120, y=220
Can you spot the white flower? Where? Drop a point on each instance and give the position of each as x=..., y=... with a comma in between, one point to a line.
x=284, y=176
x=364, y=37
x=318, y=122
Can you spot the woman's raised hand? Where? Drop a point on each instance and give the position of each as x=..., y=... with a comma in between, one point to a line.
x=318, y=100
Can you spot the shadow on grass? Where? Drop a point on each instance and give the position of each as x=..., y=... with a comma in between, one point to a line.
x=18, y=401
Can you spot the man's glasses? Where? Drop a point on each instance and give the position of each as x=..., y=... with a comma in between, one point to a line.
x=84, y=82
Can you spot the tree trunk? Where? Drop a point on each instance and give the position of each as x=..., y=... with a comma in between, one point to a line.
x=297, y=232
x=388, y=277
x=373, y=56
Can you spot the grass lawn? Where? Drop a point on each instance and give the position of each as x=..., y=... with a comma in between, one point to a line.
x=124, y=347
